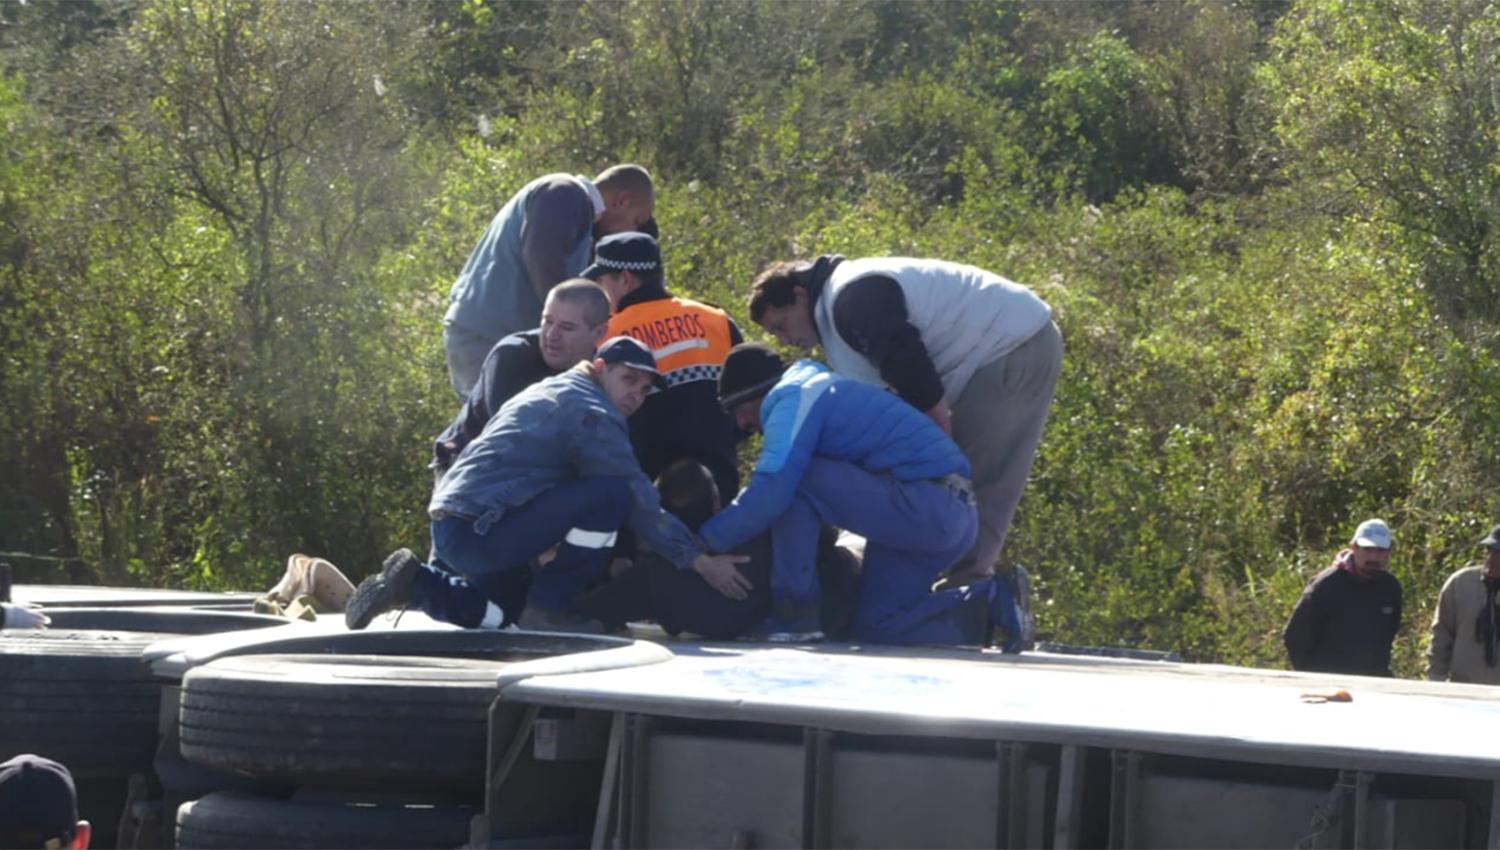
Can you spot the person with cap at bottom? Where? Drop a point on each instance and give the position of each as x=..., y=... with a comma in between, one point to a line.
x=854, y=456
x=690, y=340
x=1349, y=613
x=979, y=354
x=1466, y=626
x=542, y=236
x=39, y=806
x=553, y=468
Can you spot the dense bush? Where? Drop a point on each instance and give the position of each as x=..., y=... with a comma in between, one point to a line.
x=1266, y=230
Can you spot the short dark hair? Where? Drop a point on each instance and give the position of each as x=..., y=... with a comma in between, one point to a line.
x=775, y=286
x=586, y=294
x=651, y=279
x=688, y=492
x=627, y=177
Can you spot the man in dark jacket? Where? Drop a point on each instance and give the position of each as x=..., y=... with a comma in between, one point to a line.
x=553, y=468
x=575, y=319
x=690, y=340
x=1350, y=612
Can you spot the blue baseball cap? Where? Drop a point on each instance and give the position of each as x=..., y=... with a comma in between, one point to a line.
x=625, y=252
x=629, y=351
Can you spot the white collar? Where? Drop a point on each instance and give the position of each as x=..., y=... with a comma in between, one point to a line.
x=594, y=194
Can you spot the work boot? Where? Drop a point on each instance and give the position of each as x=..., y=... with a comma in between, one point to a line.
x=536, y=619
x=1010, y=609
x=379, y=593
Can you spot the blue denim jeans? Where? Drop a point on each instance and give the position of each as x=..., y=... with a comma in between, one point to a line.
x=579, y=517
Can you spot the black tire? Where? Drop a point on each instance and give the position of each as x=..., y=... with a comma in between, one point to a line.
x=229, y=820
x=480, y=644
x=79, y=693
x=173, y=659
x=81, y=596
x=342, y=721
x=85, y=700
x=159, y=621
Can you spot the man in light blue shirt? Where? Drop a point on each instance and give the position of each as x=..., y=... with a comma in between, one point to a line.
x=541, y=237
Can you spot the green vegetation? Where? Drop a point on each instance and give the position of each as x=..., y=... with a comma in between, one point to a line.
x=1271, y=233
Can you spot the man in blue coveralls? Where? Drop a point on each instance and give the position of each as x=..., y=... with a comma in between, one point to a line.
x=552, y=468
x=852, y=455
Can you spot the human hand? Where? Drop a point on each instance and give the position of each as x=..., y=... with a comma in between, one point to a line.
x=19, y=615
x=943, y=416
x=720, y=573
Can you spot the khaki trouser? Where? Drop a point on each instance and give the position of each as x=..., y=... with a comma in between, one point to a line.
x=998, y=421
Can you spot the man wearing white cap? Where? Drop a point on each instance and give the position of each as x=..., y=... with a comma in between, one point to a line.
x=1349, y=613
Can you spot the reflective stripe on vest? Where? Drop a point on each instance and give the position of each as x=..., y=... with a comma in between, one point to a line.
x=690, y=340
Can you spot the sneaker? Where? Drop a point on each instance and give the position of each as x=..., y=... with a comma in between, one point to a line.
x=536, y=619
x=792, y=622
x=1010, y=609
x=797, y=629
x=808, y=636
x=379, y=593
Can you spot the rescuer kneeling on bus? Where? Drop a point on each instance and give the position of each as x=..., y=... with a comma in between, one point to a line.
x=852, y=455
x=552, y=469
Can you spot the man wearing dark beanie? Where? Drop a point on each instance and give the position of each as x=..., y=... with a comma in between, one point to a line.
x=849, y=454
x=39, y=806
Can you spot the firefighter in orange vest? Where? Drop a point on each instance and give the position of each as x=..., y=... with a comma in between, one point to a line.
x=690, y=340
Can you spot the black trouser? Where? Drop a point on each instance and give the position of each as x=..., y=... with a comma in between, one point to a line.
x=681, y=601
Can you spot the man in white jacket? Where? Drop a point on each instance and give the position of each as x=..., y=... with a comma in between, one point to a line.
x=977, y=353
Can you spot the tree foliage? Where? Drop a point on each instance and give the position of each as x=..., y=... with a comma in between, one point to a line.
x=1392, y=108
x=1267, y=231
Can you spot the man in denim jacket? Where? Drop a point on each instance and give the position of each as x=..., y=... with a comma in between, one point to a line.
x=553, y=468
